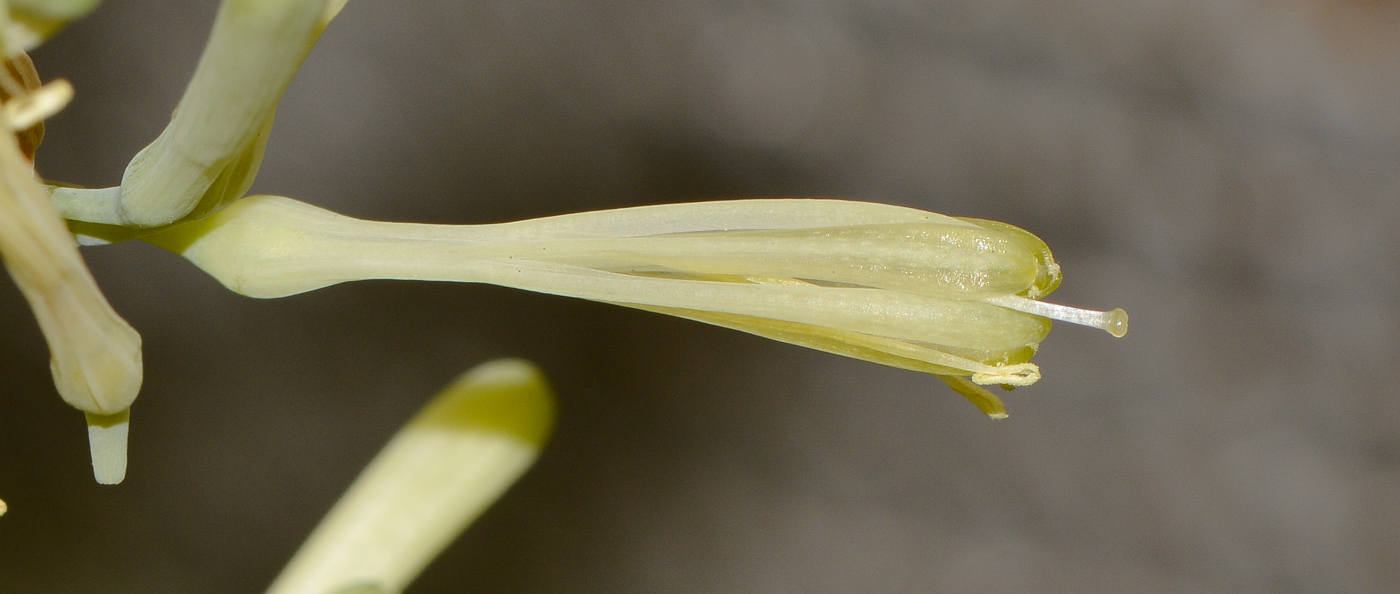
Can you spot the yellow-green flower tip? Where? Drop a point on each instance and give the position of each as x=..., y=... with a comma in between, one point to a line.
x=107, y=438
x=435, y=476
x=507, y=396
x=3, y=508
x=1047, y=272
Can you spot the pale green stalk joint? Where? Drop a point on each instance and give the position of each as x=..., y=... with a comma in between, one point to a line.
x=437, y=475
x=210, y=152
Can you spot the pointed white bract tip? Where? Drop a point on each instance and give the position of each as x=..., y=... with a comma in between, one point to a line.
x=107, y=436
x=998, y=416
x=3, y=508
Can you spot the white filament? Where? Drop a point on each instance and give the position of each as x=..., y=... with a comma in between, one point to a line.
x=1114, y=322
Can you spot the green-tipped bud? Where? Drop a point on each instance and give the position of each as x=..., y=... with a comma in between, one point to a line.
x=892, y=285
x=434, y=477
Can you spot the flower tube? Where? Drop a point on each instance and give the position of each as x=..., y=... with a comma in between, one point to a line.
x=892, y=285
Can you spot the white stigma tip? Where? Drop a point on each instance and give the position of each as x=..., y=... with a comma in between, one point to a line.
x=1117, y=323
x=107, y=436
x=1113, y=322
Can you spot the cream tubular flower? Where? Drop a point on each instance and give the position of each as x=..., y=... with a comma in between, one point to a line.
x=892, y=285
x=435, y=476
x=210, y=152
x=96, y=356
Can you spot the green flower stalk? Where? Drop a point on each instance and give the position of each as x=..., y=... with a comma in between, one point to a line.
x=892, y=285
x=445, y=467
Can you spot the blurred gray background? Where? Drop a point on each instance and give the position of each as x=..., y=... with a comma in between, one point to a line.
x=1227, y=171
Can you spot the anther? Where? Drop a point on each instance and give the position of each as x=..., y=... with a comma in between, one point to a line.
x=36, y=106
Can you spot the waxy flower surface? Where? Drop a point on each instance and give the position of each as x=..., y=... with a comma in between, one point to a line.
x=892, y=285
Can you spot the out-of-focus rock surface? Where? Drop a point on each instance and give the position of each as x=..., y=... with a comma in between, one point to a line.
x=1227, y=171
